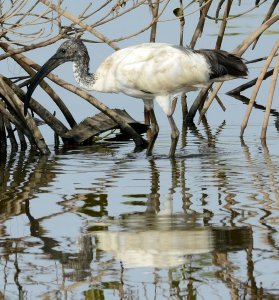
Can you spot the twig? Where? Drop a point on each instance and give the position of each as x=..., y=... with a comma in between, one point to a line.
x=144, y=28
x=241, y=48
x=15, y=102
x=154, y=8
x=200, y=24
x=16, y=25
x=5, y=113
x=257, y=60
x=201, y=7
x=197, y=104
x=31, y=47
x=98, y=9
x=209, y=100
x=25, y=63
x=56, y=125
x=256, y=88
x=80, y=23
x=223, y=25
x=11, y=13
x=270, y=98
x=238, y=15
x=11, y=135
x=218, y=10
x=268, y=15
x=219, y=101
x=59, y=21
x=3, y=136
x=249, y=84
x=182, y=23
x=104, y=20
x=22, y=140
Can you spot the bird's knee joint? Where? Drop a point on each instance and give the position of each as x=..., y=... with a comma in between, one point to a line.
x=156, y=129
x=175, y=135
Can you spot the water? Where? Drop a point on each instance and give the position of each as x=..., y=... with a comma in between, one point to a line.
x=103, y=222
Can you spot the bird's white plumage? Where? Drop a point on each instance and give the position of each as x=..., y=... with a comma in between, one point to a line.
x=152, y=71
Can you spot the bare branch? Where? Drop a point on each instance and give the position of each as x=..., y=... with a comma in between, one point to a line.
x=80, y=23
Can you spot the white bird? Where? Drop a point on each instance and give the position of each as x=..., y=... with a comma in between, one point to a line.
x=151, y=71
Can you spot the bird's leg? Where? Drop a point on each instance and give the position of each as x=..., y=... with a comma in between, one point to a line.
x=147, y=122
x=174, y=130
x=174, y=136
x=146, y=116
x=148, y=104
x=173, y=105
x=154, y=131
x=150, y=119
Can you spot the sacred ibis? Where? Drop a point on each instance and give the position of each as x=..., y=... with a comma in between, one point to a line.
x=150, y=71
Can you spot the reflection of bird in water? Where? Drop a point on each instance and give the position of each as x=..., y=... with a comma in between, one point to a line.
x=151, y=71
x=157, y=238
x=155, y=248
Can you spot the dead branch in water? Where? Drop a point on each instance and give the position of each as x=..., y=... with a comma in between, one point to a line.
x=267, y=17
x=200, y=25
x=257, y=87
x=270, y=98
x=249, y=84
x=26, y=123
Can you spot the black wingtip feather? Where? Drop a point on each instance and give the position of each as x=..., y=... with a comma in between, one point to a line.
x=224, y=63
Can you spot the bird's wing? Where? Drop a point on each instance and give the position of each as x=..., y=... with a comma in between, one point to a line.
x=153, y=68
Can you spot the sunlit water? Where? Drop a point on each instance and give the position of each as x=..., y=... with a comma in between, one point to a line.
x=103, y=222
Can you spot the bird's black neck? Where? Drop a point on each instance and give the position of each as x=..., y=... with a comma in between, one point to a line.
x=82, y=75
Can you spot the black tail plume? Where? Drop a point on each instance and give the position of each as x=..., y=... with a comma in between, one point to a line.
x=223, y=63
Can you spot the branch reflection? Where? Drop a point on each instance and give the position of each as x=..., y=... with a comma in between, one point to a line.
x=184, y=236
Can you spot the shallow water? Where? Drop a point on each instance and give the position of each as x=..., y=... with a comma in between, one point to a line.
x=103, y=222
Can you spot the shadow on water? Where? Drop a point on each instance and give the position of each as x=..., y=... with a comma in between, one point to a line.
x=177, y=239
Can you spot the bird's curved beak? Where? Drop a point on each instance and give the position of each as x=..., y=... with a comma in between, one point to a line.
x=55, y=61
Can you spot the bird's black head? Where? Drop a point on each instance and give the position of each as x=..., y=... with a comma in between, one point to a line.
x=70, y=50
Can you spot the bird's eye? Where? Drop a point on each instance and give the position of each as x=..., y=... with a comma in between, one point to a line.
x=63, y=50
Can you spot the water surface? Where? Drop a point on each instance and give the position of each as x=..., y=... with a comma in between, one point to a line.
x=103, y=222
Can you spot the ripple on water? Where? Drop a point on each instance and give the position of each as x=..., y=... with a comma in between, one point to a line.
x=88, y=218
